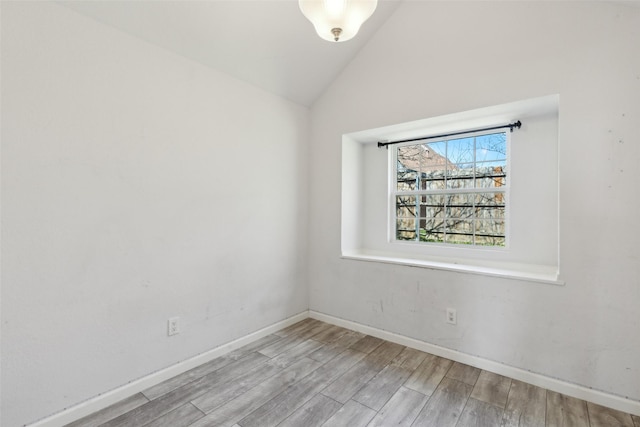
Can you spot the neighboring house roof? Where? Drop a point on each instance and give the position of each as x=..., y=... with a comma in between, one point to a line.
x=421, y=158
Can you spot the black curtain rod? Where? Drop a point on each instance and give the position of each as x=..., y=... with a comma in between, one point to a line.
x=517, y=124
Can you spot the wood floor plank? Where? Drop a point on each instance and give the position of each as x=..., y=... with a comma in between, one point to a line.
x=477, y=413
x=180, y=417
x=206, y=368
x=492, y=388
x=352, y=414
x=111, y=412
x=329, y=351
x=281, y=346
x=314, y=413
x=345, y=387
x=243, y=405
x=348, y=339
x=292, y=355
x=445, y=405
x=176, y=398
x=565, y=411
x=367, y=344
x=186, y=377
x=296, y=395
x=401, y=410
x=384, y=354
x=252, y=347
x=219, y=394
x=377, y=392
x=464, y=373
x=525, y=406
x=600, y=416
x=296, y=327
x=409, y=358
x=331, y=334
x=428, y=375
x=312, y=332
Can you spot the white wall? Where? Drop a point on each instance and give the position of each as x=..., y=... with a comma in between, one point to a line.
x=136, y=186
x=436, y=58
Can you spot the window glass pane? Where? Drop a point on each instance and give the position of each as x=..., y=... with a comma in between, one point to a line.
x=431, y=161
x=460, y=239
x=433, y=180
x=406, y=185
x=433, y=165
x=406, y=224
x=432, y=206
x=490, y=199
x=408, y=160
x=406, y=229
x=409, y=157
x=460, y=176
x=492, y=147
x=405, y=211
x=431, y=211
x=486, y=227
x=459, y=231
x=431, y=230
x=406, y=235
x=433, y=158
x=496, y=212
x=459, y=226
x=491, y=175
x=405, y=177
x=460, y=150
x=490, y=241
x=433, y=199
x=406, y=206
x=459, y=206
x=432, y=237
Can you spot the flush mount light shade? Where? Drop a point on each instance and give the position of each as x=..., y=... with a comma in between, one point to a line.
x=337, y=20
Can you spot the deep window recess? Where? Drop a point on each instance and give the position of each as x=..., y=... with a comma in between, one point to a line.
x=451, y=191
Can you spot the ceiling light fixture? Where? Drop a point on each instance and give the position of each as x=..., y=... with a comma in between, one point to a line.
x=337, y=20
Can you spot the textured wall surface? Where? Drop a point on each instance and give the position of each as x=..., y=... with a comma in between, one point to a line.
x=436, y=58
x=136, y=186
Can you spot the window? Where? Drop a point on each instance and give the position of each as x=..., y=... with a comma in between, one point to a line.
x=451, y=191
x=483, y=202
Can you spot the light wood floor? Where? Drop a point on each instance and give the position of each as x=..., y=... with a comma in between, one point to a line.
x=316, y=374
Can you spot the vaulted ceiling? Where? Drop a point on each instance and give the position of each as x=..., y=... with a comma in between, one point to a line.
x=267, y=43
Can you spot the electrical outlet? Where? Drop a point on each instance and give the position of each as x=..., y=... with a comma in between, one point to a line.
x=173, y=326
x=452, y=317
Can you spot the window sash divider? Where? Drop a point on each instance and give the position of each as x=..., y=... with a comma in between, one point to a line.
x=502, y=189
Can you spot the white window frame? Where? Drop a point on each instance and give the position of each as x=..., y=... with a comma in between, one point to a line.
x=393, y=192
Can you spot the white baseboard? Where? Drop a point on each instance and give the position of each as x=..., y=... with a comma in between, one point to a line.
x=109, y=398
x=559, y=386
x=102, y=401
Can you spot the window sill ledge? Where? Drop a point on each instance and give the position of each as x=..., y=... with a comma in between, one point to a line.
x=528, y=273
